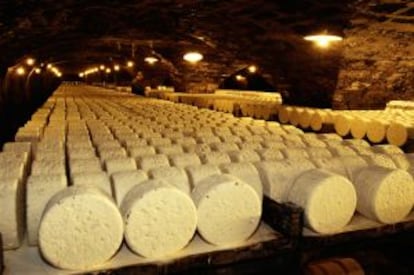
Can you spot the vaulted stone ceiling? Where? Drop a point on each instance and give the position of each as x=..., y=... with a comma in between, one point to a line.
x=231, y=34
x=86, y=31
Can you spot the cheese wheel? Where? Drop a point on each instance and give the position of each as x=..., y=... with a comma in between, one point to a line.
x=112, y=153
x=343, y=124
x=124, y=181
x=84, y=165
x=245, y=155
x=172, y=175
x=184, y=160
x=172, y=149
x=385, y=195
x=380, y=160
x=96, y=179
x=328, y=200
x=224, y=146
x=81, y=228
x=247, y=173
x=387, y=149
x=270, y=154
x=149, y=162
x=11, y=212
x=318, y=152
x=46, y=167
x=159, y=219
x=359, y=127
x=198, y=149
x=119, y=164
x=277, y=176
x=397, y=133
x=294, y=153
x=353, y=164
x=231, y=224
x=377, y=131
x=39, y=191
x=215, y=158
x=140, y=151
x=333, y=165
x=284, y=113
x=197, y=173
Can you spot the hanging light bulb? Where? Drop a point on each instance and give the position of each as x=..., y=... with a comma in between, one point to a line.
x=37, y=70
x=252, y=69
x=130, y=64
x=20, y=71
x=324, y=39
x=193, y=57
x=151, y=60
x=116, y=67
x=30, y=61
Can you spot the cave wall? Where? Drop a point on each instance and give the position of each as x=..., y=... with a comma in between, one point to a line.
x=377, y=66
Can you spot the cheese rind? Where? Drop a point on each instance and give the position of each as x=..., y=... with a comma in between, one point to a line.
x=329, y=200
x=159, y=219
x=385, y=195
x=228, y=209
x=81, y=228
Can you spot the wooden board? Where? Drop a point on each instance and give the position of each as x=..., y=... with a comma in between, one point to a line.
x=266, y=242
x=1, y=255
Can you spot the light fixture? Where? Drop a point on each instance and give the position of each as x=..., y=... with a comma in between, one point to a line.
x=130, y=64
x=116, y=68
x=151, y=60
x=81, y=75
x=20, y=71
x=193, y=57
x=59, y=74
x=102, y=67
x=30, y=61
x=37, y=70
x=240, y=77
x=323, y=40
x=252, y=69
x=108, y=71
x=49, y=66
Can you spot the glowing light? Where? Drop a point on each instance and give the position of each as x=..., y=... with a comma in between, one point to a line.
x=20, y=71
x=323, y=40
x=37, y=70
x=108, y=71
x=49, y=66
x=117, y=67
x=59, y=74
x=30, y=61
x=151, y=60
x=81, y=75
x=130, y=64
x=193, y=57
x=102, y=67
x=240, y=77
x=252, y=69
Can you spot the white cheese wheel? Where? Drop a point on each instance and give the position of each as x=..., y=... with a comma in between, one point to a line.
x=385, y=195
x=172, y=175
x=277, y=176
x=318, y=152
x=380, y=160
x=172, y=149
x=197, y=173
x=184, y=160
x=159, y=219
x=96, y=179
x=81, y=228
x=198, y=149
x=149, y=162
x=11, y=212
x=46, y=167
x=353, y=164
x=270, y=154
x=112, y=153
x=400, y=161
x=277, y=144
x=141, y=151
x=246, y=155
x=294, y=153
x=224, y=146
x=124, y=181
x=342, y=150
x=328, y=200
x=231, y=224
x=84, y=165
x=119, y=164
x=333, y=165
x=387, y=149
x=247, y=173
x=215, y=158
x=39, y=190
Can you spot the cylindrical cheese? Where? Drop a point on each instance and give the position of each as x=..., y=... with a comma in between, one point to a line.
x=81, y=228
x=159, y=219
x=228, y=209
x=328, y=200
x=385, y=195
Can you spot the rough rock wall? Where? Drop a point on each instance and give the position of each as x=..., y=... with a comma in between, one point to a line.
x=378, y=66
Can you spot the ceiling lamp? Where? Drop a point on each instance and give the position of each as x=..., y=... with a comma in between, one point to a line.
x=102, y=67
x=30, y=61
x=108, y=71
x=252, y=69
x=323, y=40
x=81, y=75
x=240, y=78
x=130, y=64
x=116, y=68
x=20, y=71
x=151, y=60
x=37, y=70
x=193, y=57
